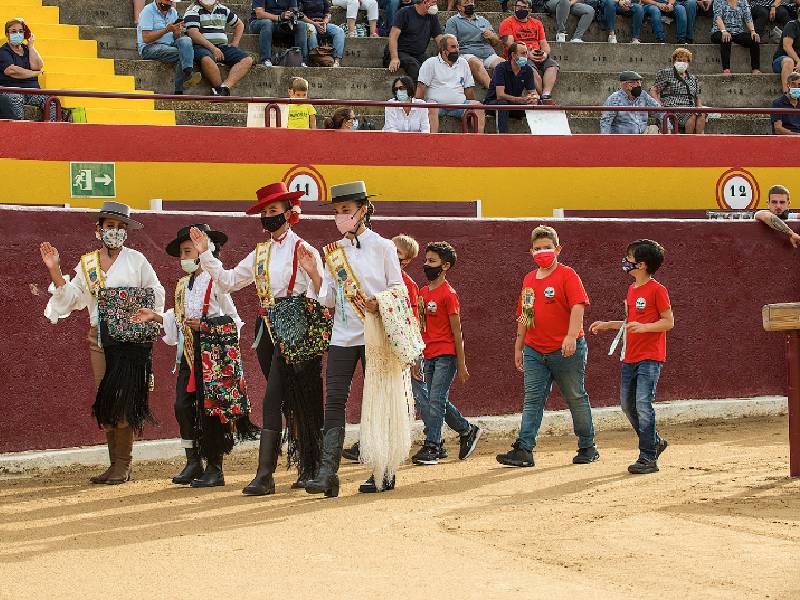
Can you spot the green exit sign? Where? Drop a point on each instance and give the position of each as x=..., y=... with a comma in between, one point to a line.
x=92, y=180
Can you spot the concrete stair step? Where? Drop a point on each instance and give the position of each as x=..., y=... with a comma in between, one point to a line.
x=33, y=13
x=95, y=66
x=66, y=48
x=573, y=87
x=601, y=57
x=19, y=3
x=129, y=117
x=122, y=103
x=89, y=81
x=44, y=31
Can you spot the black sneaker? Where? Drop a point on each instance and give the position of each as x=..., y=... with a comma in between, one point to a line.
x=222, y=90
x=352, y=453
x=643, y=466
x=427, y=455
x=661, y=446
x=369, y=487
x=468, y=441
x=517, y=457
x=442, y=451
x=586, y=456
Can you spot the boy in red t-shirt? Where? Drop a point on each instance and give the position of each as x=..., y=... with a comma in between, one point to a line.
x=550, y=346
x=443, y=358
x=644, y=348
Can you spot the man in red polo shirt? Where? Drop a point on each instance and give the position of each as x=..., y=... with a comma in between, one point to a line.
x=523, y=27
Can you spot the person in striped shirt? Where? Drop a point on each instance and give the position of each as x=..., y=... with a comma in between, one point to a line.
x=205, y=22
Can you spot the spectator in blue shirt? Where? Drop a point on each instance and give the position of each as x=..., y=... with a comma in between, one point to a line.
x=476, y=40
x=512, y=83
x=158, y=37
x=317, y=14
x=787, y=124
x=278, y=18
x=630, y=94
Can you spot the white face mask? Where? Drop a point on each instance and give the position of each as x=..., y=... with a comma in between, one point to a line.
x=189, y=265
x=208, y=3
x=114, y=238
x=681, y=66
x=433, y=10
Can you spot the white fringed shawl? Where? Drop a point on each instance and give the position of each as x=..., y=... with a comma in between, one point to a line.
x=387, y=410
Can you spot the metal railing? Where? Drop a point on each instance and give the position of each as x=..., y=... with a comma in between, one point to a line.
x=469, y=120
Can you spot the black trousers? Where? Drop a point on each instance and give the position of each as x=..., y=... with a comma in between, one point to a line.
x=743, y=39
x=185, y=404
x=761, y=17
x=342, y=363
x=502, y=116
x=274, y=394
x=408, y=62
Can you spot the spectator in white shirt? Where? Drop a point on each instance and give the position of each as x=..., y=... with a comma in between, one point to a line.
x=447, y=79
x=405, y=118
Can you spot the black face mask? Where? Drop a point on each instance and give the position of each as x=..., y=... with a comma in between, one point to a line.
x=452, y=57
x=273, y=223
x=469, y=10
x=636, y=91
x=164, y=7
x=521, y=13
x=431, y=273
x=783, y=216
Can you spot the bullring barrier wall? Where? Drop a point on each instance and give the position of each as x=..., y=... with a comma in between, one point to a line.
x=719, y=275
x=512, y=176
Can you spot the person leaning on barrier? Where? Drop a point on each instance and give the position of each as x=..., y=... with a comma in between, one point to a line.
x=20, y=66
x=676, y=86
x=777, y=213
x=629, y=94
x=412, y=29
x=446, y=79
x=402, y=118
x=787, y=124
x=476, y=40
x=512, y=83
x=159, y=37
x=278, y=18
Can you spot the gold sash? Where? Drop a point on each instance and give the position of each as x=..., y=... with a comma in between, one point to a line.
x=180, y=317
x=261, y=274
x=92, y=273
x=346, y=281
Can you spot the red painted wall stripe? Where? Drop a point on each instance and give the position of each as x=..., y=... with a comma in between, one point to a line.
x=68, y=142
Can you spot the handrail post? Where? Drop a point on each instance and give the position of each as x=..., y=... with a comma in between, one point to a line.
x=56, y=101
x=272, y=108
x=469, y=121
x=670, y=119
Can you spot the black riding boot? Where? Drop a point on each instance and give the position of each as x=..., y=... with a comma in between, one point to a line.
x=264, y=483
x=212, y=476
x=193, y=468
x=327, y=481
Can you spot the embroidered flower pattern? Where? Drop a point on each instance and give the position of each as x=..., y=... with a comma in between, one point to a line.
x=116, y=306
x=224, y=387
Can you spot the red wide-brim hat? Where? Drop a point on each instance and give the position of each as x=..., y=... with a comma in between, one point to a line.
x=275, y=192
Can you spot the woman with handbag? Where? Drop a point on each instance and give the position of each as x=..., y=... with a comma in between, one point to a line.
x=359, y=267
x=204, y=325
x=317, y=13
x=287, y=272
x=112, y=283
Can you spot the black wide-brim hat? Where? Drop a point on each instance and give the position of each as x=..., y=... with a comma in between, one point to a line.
x=174, y=247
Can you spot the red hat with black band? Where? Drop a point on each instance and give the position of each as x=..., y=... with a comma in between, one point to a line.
x=276, y=192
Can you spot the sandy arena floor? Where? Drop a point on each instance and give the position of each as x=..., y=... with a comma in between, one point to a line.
x=721, y=520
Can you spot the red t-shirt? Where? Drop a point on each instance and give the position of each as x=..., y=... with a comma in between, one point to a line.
x=439, y=305
x=413, y=293
x=530, y=32
x=645, y=305
x=553, y=299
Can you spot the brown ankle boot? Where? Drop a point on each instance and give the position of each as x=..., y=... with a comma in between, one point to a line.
x=110, y=434
x=120, y=473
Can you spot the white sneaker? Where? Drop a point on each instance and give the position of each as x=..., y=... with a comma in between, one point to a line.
x=302, y=64
x=561, y=37
x=266, y=63
x=576, y=41
x=612, y=38
x=635, y=41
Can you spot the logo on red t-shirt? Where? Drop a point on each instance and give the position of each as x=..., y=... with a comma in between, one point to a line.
x=641, y=304
x=550, y=294
x=432, y=307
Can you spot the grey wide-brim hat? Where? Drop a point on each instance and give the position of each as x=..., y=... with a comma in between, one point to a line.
x=119, y=211
x=355, y=190
x=630, y=76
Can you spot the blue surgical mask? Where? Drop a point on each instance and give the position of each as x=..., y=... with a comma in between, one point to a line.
x=522, y=61
x=16, y=38
x=355, y=123
x=402, y=95
x=794, y=93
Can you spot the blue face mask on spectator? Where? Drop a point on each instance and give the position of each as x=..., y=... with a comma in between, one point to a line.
x=794, y=93
x=355, y=123
x=16, y=38
x=402, y=95
x=521, y=61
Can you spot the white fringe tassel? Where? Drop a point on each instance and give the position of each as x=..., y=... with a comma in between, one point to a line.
x=387, y=410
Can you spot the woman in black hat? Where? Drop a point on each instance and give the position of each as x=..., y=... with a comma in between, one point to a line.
x=287, y=272
x=107, y=281
x=198, y=304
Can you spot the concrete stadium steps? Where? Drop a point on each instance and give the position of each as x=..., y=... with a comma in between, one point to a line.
x=100, y=12
x=573, y=87
x=368, y=52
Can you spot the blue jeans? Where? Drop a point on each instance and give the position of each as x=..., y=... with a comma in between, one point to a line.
x=389, y=9
x=433, y=398
x=680, y=12
x=541, y=370
x=179, y=52
x=337, y=33
x=266, y=29
x=637, y=391
x=637, y=11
